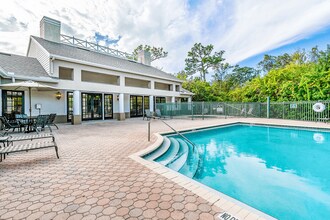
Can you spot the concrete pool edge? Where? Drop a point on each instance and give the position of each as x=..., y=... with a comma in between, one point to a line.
x=227, y=204
x=222, y=201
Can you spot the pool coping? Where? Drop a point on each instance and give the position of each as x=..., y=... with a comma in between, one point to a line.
x=229, y=205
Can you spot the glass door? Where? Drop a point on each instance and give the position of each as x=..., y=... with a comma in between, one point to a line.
x=69, y=109
x=91, y=106
x=136, y=106
x=108, y=103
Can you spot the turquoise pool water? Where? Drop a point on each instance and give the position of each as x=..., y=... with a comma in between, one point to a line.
x=282, y=172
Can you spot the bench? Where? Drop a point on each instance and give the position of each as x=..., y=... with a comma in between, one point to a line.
x=29, y=146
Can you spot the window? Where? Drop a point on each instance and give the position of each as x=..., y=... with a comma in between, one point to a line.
x=136, y=83
x=163, y=86
x=12, y=102
x=87, y=76
x=65, y=73
x=177, y=88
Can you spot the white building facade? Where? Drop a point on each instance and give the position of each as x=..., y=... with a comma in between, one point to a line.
x=94, y=82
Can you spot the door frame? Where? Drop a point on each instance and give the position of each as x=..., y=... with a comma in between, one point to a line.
x=92, y=114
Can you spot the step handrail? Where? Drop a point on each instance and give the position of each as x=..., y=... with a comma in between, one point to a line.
x=181, y=135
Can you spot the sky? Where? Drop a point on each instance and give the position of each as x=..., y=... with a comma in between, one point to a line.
x=245, y=29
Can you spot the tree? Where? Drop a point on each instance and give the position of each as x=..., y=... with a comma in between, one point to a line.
x=221, y=70
x=156, y=52
x=200, y=60
x=240, y=75
x=182, y=75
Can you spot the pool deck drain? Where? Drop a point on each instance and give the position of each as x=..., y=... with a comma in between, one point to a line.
x=95, y=178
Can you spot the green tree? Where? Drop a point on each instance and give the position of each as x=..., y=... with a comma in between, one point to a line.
x=156, y=52
x=201, y=60
x=240, y=75
x=182, y=75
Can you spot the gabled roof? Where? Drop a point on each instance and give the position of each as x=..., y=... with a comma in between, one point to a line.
x=85, y=55
x=21, y=66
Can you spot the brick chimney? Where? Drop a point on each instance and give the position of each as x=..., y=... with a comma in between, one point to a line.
x=144, y=57
x=50, y=29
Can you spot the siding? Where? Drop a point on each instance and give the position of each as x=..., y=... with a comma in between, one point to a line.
x=36, y=51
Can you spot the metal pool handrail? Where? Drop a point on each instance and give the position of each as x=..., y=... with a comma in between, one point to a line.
x=181, y=135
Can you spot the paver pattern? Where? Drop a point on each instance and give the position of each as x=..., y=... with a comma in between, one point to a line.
x=95, y=179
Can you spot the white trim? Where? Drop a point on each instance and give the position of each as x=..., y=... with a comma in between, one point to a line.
x=110, y=68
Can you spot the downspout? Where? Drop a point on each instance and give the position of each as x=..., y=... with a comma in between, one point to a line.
x=52, y=65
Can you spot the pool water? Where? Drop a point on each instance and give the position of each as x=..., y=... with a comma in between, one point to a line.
x=282, y=172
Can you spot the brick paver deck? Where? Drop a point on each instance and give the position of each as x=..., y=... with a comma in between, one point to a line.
x=95, y=179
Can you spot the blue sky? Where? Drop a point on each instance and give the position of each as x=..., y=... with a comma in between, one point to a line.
x=245, y=29
x=320, y=39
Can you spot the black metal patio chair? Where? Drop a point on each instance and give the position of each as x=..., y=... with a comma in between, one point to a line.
x=40, y=122
x=51, y=120
x=9, y=125
x=22, y=120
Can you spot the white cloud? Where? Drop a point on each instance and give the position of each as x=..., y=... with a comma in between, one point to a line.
x=241, y=27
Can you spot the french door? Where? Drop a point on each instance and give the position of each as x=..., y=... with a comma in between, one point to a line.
x=138, y=104
x=91, y=106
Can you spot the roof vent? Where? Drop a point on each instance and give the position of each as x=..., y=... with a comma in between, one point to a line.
x=50, y=29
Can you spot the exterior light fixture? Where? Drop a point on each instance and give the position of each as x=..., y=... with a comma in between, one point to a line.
x=58, y=95
x=117, y=97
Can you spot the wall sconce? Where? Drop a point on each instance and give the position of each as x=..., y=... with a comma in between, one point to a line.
x=117, y=97
x=58, y=95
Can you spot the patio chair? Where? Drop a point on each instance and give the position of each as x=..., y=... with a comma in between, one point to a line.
x=22, y=120
x=50, y=121
x=148, y=114
x=158, y=114
x=40, y=123
x=9, y=125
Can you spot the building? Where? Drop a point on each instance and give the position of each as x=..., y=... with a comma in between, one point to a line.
x=94, y=82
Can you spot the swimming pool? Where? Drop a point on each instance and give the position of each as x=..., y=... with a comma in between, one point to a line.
x=283, y=172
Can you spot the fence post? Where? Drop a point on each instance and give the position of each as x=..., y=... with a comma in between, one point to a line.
x=149, y=130
x=268, y=106
x=192, y=111
x=203, y=110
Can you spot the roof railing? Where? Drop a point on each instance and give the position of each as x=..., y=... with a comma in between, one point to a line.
x=73, y=41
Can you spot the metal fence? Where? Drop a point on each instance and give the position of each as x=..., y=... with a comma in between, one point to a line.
x=302, y=110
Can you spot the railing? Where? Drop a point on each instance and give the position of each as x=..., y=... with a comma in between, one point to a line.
x=302, y=110
x=181, y=135
x=94, y=47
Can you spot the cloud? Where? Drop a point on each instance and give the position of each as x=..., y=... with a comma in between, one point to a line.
x=12, y=25
x=241, y=28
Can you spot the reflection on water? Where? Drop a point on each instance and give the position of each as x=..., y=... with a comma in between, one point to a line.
x=318, y=138
x=283, y=172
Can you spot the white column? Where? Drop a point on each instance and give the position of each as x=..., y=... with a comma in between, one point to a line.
x=173, y=99
x=121, y=107
x=152, y=84
x=76, y=102
x=121, y=80
x=121, y=103
x=76, y=118
x=189, y=99
x=174, y=87
x=151, y=103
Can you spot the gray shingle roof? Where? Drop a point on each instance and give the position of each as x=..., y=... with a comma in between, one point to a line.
x=22, y=65
x=59, y=49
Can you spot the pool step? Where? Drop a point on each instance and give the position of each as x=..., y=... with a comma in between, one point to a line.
x=159, y=151
x=190, y=167
x=181, y=156
x=171, y=152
